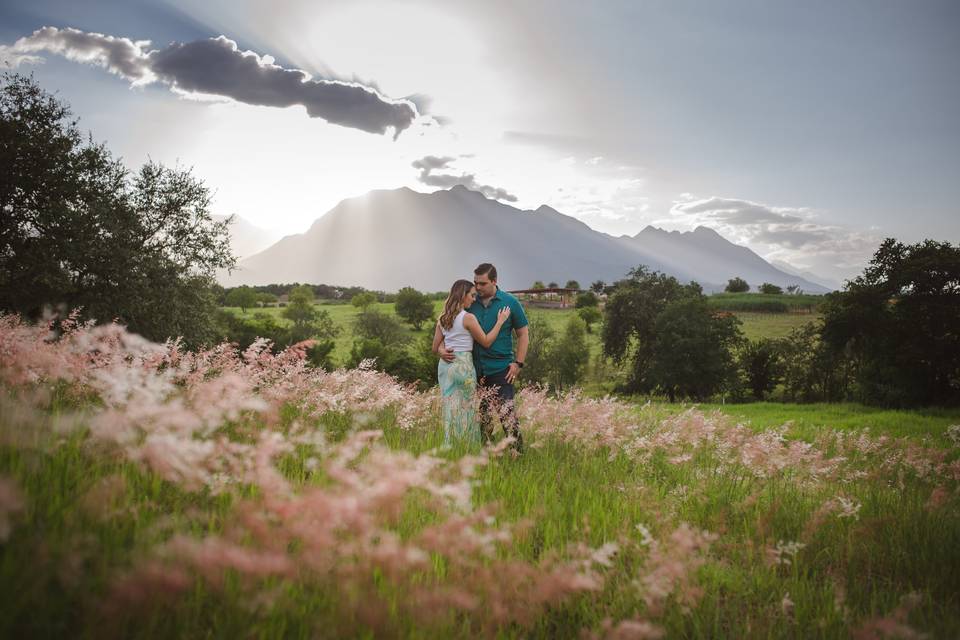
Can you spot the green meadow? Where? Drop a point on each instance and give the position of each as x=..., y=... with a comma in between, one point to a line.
x=754, y=325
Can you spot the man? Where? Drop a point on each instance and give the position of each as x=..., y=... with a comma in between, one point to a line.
x=497, y=368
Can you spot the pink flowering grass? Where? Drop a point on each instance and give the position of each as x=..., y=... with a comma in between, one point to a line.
x=150, y=491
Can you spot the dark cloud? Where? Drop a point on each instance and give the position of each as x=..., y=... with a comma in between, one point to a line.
x=429, y=164
x=218, y=67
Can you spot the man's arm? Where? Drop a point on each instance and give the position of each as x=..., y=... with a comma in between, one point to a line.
x=523, y=341
x=439, y=347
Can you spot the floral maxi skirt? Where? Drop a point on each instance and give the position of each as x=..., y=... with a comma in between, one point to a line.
x=458, y=382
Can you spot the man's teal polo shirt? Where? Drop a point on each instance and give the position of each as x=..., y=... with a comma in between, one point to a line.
x=500, y=354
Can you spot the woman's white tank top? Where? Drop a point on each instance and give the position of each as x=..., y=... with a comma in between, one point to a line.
x=457, y=337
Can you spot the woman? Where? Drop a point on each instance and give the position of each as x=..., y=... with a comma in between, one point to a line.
x=458, y=329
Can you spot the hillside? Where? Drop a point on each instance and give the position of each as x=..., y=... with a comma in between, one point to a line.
x=389, y=239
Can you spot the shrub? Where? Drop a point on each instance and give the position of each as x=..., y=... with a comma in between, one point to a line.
x=590, y=316
x=770, y=289
x=587, y=299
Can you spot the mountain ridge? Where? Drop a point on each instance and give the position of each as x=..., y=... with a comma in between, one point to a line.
x=391, y=238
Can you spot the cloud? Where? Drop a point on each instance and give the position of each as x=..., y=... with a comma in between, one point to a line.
x=218, y=67
x=427, y=165
x=790, y=234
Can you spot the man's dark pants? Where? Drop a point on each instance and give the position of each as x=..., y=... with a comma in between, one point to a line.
x=497, y=398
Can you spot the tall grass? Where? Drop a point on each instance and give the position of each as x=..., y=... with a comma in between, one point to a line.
x=765, y=303
x=150, y=492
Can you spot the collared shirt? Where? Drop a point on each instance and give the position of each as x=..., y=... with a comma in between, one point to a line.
x=500, y=354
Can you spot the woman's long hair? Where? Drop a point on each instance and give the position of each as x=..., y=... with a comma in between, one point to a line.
x=454, y=303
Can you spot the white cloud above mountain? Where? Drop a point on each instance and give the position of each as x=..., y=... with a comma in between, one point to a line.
x=794, y=235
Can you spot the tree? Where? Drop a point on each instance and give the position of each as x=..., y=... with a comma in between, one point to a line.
x=667, y=331
x=631, y=311
x=586, y=299
x=553, y=285
x=538, y=285
x=78, y=230
x=794, y=290
x=737, y=285
x=263, y=299
x=570, y=355
x=572, y=284
x=381, y=326
x=414, y=307
x=308, y=322
x=538, y=367
x=772, y=289
x=243, y=297
x=760, y=361
x=692, y=351
x=598, y=286
x=812, y=371
x=363, y=300
x=898, y=324
x=589, y=315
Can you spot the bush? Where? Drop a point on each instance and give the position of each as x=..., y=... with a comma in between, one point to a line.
x=770, y=289
x=590, y=316
x=537, y=366
x=363, y=300
x=570, y=355
x=386, y=328
x=586, y=299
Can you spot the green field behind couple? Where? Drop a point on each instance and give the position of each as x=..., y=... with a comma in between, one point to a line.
x=755, y=325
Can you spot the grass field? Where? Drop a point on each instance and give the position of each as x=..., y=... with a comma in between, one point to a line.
x=148, y=494
x=764, y=302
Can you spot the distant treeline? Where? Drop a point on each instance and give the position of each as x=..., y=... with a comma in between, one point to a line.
x=327, y=292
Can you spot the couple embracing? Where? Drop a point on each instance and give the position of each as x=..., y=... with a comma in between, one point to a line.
x=477, y=362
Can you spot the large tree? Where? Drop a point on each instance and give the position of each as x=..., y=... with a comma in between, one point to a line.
x=692, y=350
x=899, y=322
x=674, y=343
x=78, y=230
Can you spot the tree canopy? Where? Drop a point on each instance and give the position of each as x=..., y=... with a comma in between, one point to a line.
x=80, y=231
x=899, y=323
x=414, y=307
x=675, y=343
x=768, y=288
x=737, y=285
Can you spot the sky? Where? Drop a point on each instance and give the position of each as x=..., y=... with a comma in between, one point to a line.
x=808, y=131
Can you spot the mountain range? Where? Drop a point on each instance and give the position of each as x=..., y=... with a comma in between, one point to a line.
x=388, y=239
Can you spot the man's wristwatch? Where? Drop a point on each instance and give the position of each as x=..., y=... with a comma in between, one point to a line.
x=518, y=363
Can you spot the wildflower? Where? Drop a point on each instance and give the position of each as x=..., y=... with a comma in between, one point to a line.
x=786, y=605
x=784, y=553
x=848, y=508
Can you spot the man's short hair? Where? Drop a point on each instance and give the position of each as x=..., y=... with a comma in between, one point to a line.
x=486, y=269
